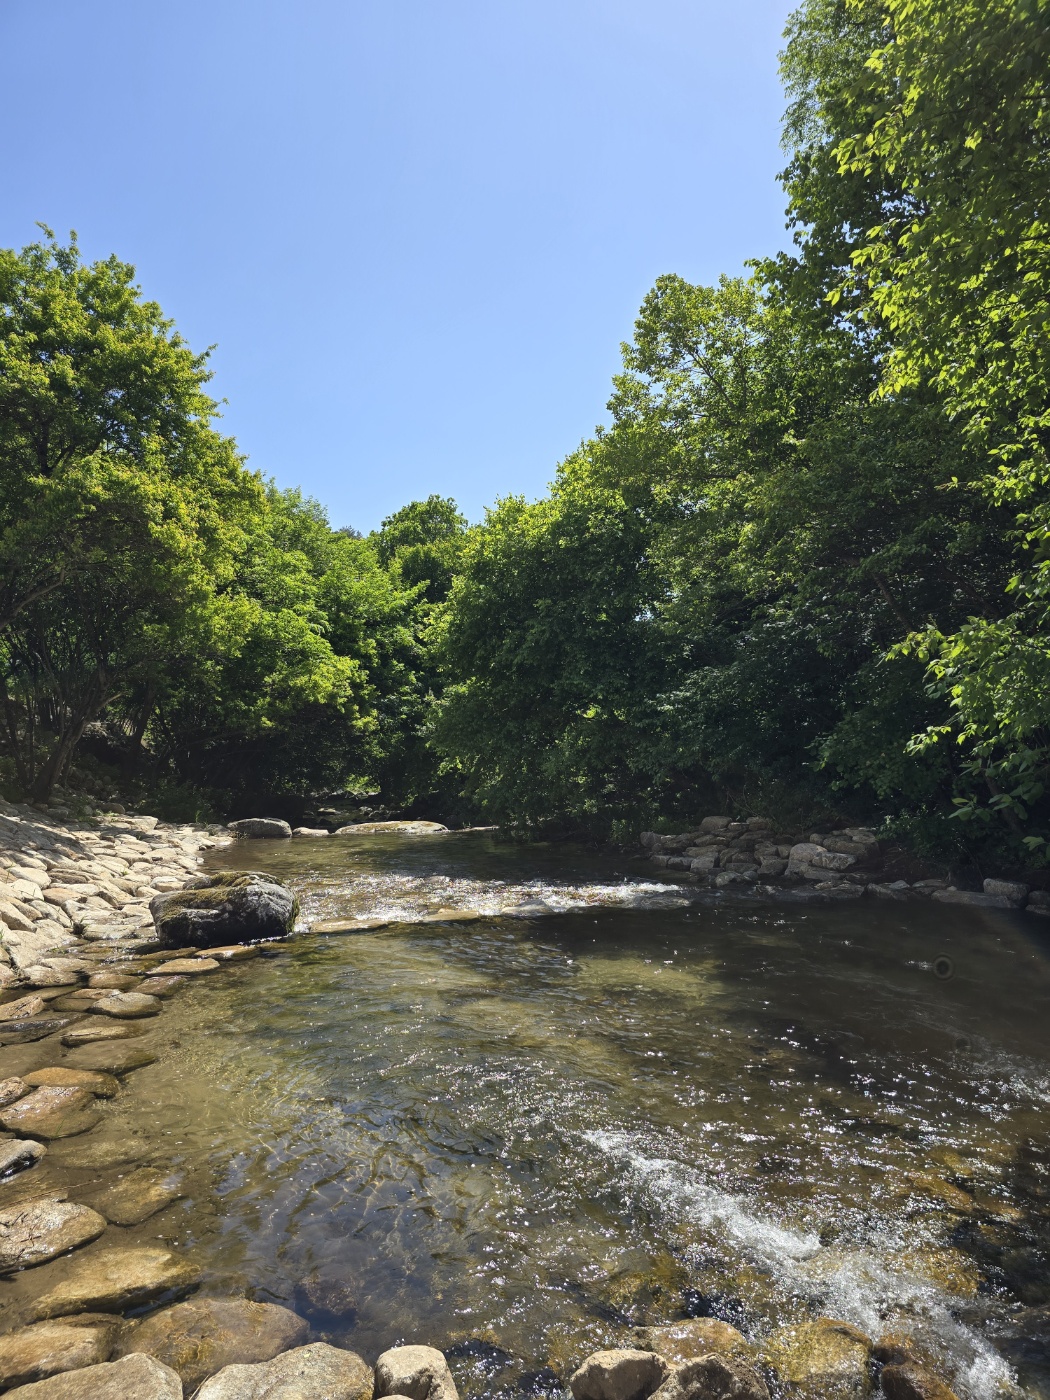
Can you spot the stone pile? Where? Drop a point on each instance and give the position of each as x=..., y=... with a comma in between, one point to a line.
x=843, y=864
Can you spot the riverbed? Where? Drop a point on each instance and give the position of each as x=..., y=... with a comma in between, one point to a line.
x=610, y=1102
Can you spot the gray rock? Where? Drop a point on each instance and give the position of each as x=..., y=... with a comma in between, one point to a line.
x=979, y=900
x=36, y=1231
x=311, y=831
x=714, y=824
x=620, y=1374
x=419, y=1372
x=201, y=1336
x=234, y=906
x=48, y=1348
x=52, y=1111
x=17, y=1156
x=132, y=1378
x=1039, y=902
x=1012, y=890
x=714, y=1378
x=110, y=1280
x=396, y=828
x=260, y=828
x=315, y=1372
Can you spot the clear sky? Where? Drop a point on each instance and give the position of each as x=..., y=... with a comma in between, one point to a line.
x=416, y=230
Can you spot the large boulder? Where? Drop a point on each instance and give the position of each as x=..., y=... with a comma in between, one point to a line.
x=420, y=1373
x=307, y=1373
x=201, y=1336
x=260, y=829
x=713, y=1378
x=227, y=906
x=132, y=1378
x=619, y=1374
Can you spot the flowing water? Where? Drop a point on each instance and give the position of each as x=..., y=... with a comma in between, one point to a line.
x=521, y=1137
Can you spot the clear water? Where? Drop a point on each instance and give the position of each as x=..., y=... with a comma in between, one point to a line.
x=520, y=1138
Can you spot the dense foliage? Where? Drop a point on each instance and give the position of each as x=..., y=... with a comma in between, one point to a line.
x=804, y=569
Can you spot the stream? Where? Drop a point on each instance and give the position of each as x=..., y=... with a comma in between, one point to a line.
x=521, y=1137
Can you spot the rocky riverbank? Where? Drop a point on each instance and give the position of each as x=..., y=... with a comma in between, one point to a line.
x=848, y=863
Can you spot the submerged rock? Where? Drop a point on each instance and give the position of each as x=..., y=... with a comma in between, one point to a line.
x=109, y=1058
x=327, y=1299
x=684, y=1341
x=201, y=1336
x=133, y=1378
x=307, y=1373
x=48, y=1348
x=619, y=1374
x=130, y=1006
x=138, y=1195
x=714, y=1378
x=16, y=1156
x=86, y=1035
x=111, y=1280
x=37, y=1231
x=260, y=828
x=103, y=1086
x=419, y=1372
x=825, y=1359
x=229, y=906
x=913, y=1382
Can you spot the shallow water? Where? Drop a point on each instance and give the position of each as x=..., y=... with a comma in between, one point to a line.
x=518, y=1138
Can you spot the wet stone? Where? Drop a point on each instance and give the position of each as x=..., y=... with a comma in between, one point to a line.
x=201, y=1336
x=684, y=1341
x=186, y=967
x=36, y=1231
x=137, y=1196
x=303, y=1374
x=714, y=1378
x=114, y=981
x=22, y=1009
x=12, y=1089
x=51, y=1112
x=109, y=1058
x=326, y=1300
x=49, y=1348
x=111, y=1280
x=100, y=1153
x=162, y=986
x=130, y=1005
x=103, y=1086
x=413, y=1370
x=619, y=1374
x=94, y=1031
x=16, y=1155
x=132, y=1378
x=825, y=1359
x=23, y=1032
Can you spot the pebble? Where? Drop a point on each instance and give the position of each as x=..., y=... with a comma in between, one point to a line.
x=37, y=1231
x=111, y=1280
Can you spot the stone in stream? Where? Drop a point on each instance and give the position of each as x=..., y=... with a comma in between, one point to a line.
x=109, y=1058
x=233, y=952
x=310, y=831
x=48, y=1348
x=825, y=1359
x=135, y=1377
x=306, y=1373
x=327, y=1299
x=22, y=1009
x=137, y=1196
x=227, y=906
x=451, y=916
x=36, y=1231
x=163, y=987
x=114, y=981
x=18, y=1154
x=126, y=1005
x=407, y=828
x=11, y=1090
x=348, y=925
x=417, y=1371
x=911, y=1381
x=619, y=1374
x=42, y=976
x=103, y=1086
x=186, y=967
x=87, y=1035
x=678, y=1342
x=201, y=1336
x=113, y=1280
x=101, y=1153
x=51, y=1111
x=260, y=828
x=23, y=1032
x=713, y=1378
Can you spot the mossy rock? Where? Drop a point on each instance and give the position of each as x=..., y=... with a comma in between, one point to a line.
x=226, y=906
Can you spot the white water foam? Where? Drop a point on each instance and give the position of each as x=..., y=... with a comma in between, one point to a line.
x=859, y=1285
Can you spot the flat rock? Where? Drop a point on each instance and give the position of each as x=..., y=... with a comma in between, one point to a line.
x=163, y=987
x=13, y=1089
x=52, y=1111
x=310, y=831
x=307, y=1373
x=714, y=1378
x=348, y=925
x=183, y=967
x=260, y=829
x=678, y=1342
x=48, y=1348
x=137, y=1196
x=232, y=952
x=103, y=1086
x=112, y=1280
x=16, y=1155
x=127, y=1005
x=22, y=1009
x=979, y=900
x=201, y=1336
x=40, y=975
x=395, y=828
x=95, y=1153
x=36, y=1231
x=23, y=1032
x=114, y=981
x=109, y=1058
x=89, y=1034
x=619, y=1374
x=418, y=1371
x=132, y=1378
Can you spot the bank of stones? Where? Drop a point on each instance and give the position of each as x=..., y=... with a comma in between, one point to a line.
x=107, y=1316
x=751, y=854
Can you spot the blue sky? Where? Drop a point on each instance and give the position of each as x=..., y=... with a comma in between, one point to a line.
x=416, y=230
